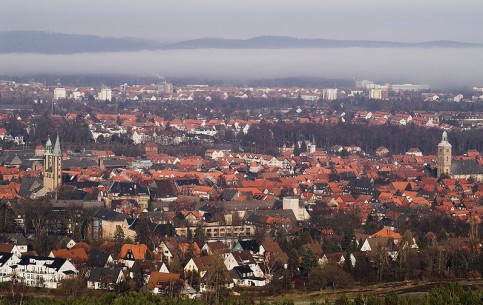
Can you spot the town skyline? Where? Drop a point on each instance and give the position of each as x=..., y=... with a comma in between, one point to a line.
x=276, y=152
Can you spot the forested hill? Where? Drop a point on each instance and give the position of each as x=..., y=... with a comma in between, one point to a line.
x=266, y=137
x=57, y=43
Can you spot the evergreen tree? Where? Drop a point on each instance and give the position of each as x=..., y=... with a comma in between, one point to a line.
x=309, y=262
x=119, y=235
x=143, y=233
x=296, y=150
x=199, y=236
x=303, y=147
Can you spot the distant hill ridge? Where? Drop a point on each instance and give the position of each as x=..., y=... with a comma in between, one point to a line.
x=57, y=43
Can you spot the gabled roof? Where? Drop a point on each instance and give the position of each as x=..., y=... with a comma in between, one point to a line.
x=204, y=263
x=128, y=189
x=54, y=263
x=217, y=247
x=75, y=255
x=110, y=215
x=99, y=274
x=5, y=257
x=250, y=245
x=15, y=238
x=98, y=258
x=138, y=251
x=466, y=167
x=6, y=248
x=274, y=250
x=243, y=257
x=387, y=233
x=159, y=279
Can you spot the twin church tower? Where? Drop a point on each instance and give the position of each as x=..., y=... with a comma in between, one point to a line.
x=52, y=165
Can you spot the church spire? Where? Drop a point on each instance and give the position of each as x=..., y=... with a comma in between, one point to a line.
x=57, y=151
x=445, y=137
x=444, y=140
x=48, y=146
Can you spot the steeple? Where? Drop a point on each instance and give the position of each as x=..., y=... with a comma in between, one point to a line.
x=57, y=151
x=48, y=147
x=445, y=137
x=444, y=140
x=444, y=156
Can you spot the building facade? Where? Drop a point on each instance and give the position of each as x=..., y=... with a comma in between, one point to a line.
x=52, y=166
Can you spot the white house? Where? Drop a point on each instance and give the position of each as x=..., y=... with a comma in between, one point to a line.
x=104, y=278
x=8, y=262
x=244, y=276
x=45, y=272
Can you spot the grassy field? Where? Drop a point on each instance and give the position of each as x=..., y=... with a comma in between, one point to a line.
x=412, y=290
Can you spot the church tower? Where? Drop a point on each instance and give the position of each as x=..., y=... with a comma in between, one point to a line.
x=444, y=156
x=52, y=165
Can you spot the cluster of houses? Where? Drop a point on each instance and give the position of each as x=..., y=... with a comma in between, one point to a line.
x=174, y=266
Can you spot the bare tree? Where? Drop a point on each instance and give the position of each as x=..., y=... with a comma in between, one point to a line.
x=36, y=213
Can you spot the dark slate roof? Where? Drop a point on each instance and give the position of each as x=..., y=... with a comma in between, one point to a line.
x=80, y=163
x=158, y=166
x=56, y=263
x=98, y=274
x=87, y=204
x=362, y=182
x=228, y=195
x=184, y=182
x=243, y=269
x=109, y=215
x=15, y=238
x=244, y=205
x=27, y=164
x=466, y=167
x=163, y=230
x=128, y=189
x=133, y=223
x=97, y=258
x=83, y=184
x=114, y=163
x=250, y=245
x=212, y=209
x=4, y=257
x=22, y=154
x=11, y=158
x=243, y=272
x=166, y=188
x=30, y=185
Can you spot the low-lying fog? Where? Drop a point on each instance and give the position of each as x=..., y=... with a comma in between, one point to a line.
x=437, y=67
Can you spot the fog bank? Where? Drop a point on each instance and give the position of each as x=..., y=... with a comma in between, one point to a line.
x=440, y=68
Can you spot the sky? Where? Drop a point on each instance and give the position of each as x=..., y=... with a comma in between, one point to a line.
x=174, y=20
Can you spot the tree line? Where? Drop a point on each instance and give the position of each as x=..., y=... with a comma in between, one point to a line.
x=266, y=137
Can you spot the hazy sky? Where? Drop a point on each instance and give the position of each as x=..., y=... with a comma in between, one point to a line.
x=397, y=20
